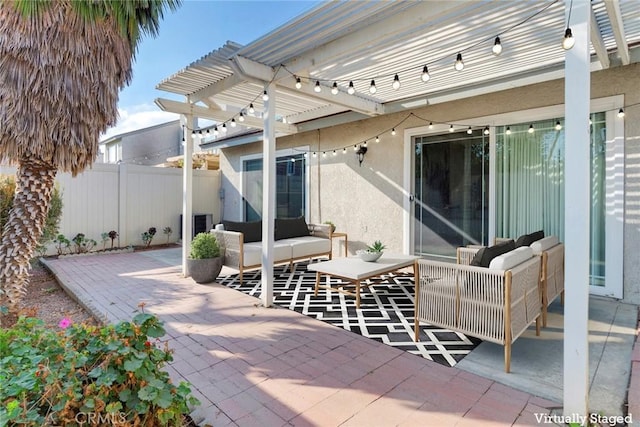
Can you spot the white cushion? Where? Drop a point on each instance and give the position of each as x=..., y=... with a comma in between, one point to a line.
x=219, y=227
x=253, y=252
x=308, y=245
x=542, y=245
x=511, y=258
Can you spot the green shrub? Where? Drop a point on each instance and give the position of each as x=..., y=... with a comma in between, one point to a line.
x=50, y=230
x=203, y=246
x=109, y=373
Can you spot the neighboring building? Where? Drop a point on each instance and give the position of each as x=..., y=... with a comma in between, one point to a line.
x=149, y=146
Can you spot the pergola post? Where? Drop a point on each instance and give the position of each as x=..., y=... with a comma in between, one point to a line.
x=187, y=190
x=268, y=195
x=577, y=216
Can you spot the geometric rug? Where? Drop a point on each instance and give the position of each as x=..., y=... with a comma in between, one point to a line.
x=385, y=314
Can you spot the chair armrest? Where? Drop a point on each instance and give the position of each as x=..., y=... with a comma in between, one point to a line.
x=464, y=255
x=232, y=244
x=320, y=230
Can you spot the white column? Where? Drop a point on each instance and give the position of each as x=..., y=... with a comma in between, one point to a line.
x=268, y=195
x=577, y=203
x=187, y=187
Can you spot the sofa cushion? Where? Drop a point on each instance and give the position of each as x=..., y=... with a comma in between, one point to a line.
x=253, y=253
x=528, y=239
x=308, y=245
x=252, y=231
x=511, y=259
x=483, y=257
x=544, y=244
x=291, y=227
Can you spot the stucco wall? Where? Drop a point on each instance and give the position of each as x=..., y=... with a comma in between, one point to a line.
x=367, y=201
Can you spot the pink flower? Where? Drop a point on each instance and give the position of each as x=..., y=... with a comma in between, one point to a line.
x=64, y=323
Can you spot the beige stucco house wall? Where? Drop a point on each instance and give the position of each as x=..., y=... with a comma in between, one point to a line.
x=367, y=201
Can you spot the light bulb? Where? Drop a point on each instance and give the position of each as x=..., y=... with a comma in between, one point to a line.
x=215, y=131
x=531, y=129
x=459, y=65
x=208, y=132
x=497, y=47
x=193, y=134
x=298, y=83
x=317, y=87
x=355, y=147
x=621, y=113
x=200, y=134
x=451, y=128
x=306, y=155
x=558, y=125
x=315, y=154
x=324, y=154
x=344, y=150
x=568, y=41
x=486, y=130
x=425, y=74
x=241, y=117
x=233, y=123
x=393, y=131
x=377, y=139
x=334, y=88
x=335, y=153
x=508, y=131
x=430, y=125
x=469, y=131
x=251, y=109
x=372, y=87
x=364, y=144
x=224, y=128
x=351, y=90
x=265, y=97
x=590, y=121
x=396, y=82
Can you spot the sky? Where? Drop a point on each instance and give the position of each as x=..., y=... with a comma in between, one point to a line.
x=195, y=29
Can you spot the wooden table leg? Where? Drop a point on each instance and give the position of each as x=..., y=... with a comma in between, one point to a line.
x=357, y=293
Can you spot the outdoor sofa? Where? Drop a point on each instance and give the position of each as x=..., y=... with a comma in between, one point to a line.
x=241, y=242
x=495, y=303
x=551, y=252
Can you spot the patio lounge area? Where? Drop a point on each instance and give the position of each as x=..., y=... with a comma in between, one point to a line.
x=250, y=365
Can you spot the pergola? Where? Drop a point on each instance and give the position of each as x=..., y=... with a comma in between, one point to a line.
x=298, y=78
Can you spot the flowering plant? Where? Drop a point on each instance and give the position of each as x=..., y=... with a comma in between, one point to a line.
x=114, y=372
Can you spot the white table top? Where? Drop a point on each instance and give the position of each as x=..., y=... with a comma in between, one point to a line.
x=356, y=269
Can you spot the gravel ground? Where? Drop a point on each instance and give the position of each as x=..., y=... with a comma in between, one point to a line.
x=46, y=300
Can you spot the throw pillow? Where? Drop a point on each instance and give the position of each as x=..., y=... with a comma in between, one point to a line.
x=528, y=239
x=485, y=255
x=291, y=227
x=252, y=230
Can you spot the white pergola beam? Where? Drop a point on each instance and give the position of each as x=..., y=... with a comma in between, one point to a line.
x=217, y=87
x=218, y=115
x=617, y=25
x=577, y=217
x=268, y=196
x=598, y=42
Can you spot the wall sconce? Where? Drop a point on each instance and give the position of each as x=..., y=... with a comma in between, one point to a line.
x=362, y=150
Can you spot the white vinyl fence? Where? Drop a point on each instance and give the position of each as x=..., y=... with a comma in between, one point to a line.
x=130, y=199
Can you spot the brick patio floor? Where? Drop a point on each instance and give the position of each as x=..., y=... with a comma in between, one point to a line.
x=255, y=366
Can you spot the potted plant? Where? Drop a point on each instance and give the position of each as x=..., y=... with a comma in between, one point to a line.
x=332, y=225
x=205, y=260
x=372, y=252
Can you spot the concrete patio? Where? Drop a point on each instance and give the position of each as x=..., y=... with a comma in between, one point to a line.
x=249, y=365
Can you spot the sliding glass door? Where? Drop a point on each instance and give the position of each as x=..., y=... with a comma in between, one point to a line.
x=451, y=198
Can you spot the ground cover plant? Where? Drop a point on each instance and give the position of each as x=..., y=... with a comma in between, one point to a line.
x=110, y=374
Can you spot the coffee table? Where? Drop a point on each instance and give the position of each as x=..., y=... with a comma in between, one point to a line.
x=356, y=271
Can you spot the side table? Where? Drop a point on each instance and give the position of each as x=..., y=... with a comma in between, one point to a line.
x=335, y=235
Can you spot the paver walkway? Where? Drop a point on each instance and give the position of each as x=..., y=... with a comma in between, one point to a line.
x=256, y=366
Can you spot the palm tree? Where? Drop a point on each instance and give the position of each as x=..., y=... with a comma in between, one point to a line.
x=62, y=65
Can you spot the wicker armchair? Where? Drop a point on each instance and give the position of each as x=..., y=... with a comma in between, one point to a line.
x=491, y=304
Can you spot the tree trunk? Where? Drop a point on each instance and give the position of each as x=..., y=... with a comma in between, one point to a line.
x=34, y=185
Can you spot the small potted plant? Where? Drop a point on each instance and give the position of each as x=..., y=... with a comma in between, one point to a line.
x=205, y=260
x=372, y=252
x=332, y=225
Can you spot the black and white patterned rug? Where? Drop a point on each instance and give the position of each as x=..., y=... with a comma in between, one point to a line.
x=385, y=313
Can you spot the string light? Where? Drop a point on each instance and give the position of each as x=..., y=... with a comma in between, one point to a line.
x=372, y=87
x=497, y=47
x=364, y=144
x=558, y=125
x=430, y=125
x=531, y=129
x=459, y=65
x=396, y=82
x=233, y=123
x=251, y=109
x=224, y=128
x=215, y=131
x=486, y=130
x=451, y=128
x=351, y=90
x=317, y=87
x=265, y=96
x=335, y=153
x=298, y=83
x=344, y=150
x=425, y=74
x=393, y=131
x=568, y=41
x=334, y=88
x=469, y=131
x=377, y=139
x=241, y=117
x=621, y=113
x=508, y=131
